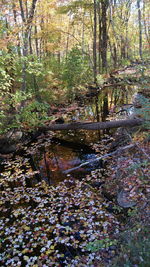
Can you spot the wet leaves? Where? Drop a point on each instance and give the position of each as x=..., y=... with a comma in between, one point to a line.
x=51, y=226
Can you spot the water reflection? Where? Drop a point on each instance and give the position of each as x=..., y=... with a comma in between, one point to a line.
x=74, y=149
x=54, y=160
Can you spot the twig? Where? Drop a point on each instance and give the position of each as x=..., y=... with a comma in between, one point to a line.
x=99, y=158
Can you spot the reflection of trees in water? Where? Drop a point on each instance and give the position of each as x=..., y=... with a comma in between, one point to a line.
x=108, y=100
x=97, y=115
x=120, y=95
x=105, y=109
x=55, y=161
x=124, y=95
x=47, y=167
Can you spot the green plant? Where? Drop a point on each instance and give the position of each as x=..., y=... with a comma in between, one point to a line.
x=100, y=79
x=125, y=62
x=135, y=249
x=144, y=111
x=141, y=69
x=141, y=169
x=99, y=244
x=75, y=71
x=5, y=78
x=34, y=114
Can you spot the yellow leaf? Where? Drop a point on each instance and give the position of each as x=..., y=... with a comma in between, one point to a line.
x=48, y=252
x=26, y=258
x=26, y=228
x=25, y=250
x=52, y=247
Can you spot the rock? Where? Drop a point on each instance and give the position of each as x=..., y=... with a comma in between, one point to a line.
x=137, y=100
x=60, y=120
x=124, y=201
x=8, y=149
x=97, y=184
x=121, y=138
x=8, y=143
x=14, y=136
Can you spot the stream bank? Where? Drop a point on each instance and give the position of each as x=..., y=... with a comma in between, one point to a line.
x=75, y=221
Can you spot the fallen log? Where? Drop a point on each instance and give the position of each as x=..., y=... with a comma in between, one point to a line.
x=7, y=145
x=92, y=125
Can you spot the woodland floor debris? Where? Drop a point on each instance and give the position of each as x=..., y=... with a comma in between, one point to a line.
x=68, y=224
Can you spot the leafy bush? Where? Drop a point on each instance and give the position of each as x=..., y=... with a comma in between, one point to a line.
x=134, y=249
x=76, y=71
x=34, y=114
x=144, y=111
x=99, y=244
x=5, y=79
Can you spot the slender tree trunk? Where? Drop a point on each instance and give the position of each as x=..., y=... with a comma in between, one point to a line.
x=94, y=43
x=146, y=25
x=105, y=107
x=115, y=55
x=140, y=27
x=67, y=42
x=104, y=5
x=30, y=43
x=127, y=41
x=99, y=36
x=123, y=49
x=113, y=52
x=83, y=33
x=15, y=20
x=36, y=41
x=27, y=21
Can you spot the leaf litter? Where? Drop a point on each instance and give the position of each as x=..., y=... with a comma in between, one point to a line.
x=42, y=225
x=69, y=224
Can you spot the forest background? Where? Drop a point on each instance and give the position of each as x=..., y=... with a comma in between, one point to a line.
x=52, y=50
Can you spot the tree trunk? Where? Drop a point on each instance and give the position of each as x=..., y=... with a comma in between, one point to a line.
x=83, y=34
x=15, y=20
x=27, y=21
x=99, y=36
x=140, y=28
x=146, y=26
x=94, y=43
x=92, y=125
x=104, y=5
x=30, y=43
x=36, y=41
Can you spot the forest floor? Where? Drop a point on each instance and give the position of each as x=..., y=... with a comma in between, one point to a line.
x=100, y=220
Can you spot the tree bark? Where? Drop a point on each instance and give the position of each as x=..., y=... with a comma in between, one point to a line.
x=140, y=28
x=27, y=21
x=94, y=43
x=146, y=25
x=92, y=125
x=99, y=36
x=104, y=6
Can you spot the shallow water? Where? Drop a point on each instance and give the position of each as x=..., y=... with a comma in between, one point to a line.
x=69, y=149
x=54, y=161
x=73, y=148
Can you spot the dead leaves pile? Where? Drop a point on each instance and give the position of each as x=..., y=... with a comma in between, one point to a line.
x=45, y=225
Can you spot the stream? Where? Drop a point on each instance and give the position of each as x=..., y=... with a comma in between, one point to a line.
x=50, y=159
x=74, y=220
x=72, y=148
